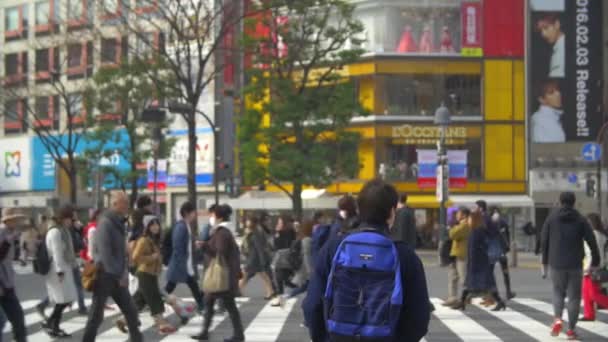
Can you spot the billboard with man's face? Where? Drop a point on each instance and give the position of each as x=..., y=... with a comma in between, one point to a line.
x=565, y=70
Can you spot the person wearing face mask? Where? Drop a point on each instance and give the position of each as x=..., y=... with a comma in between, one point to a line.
x=284, y=237
x=504, y=239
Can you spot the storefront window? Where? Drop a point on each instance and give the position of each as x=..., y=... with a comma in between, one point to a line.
x=423, y=27
x=398, y=155
x=422, y=94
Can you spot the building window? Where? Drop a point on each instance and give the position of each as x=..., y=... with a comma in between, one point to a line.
x=398, y=157
x=47, y=61
x=47, y=111
x=46, y=13
x=77, y=11
x=423, y=27
x=76, y=110
x=14, y=116
x=420, y=95
x=80, y=60
x=110, y=51
x=111, y=9
x=146, y=6
x=15, y=22
x=148, y=42
x=15, y=68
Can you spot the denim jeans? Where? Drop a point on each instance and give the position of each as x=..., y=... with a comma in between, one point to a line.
x=299, y=290
x=14, y=312
x=79, y=289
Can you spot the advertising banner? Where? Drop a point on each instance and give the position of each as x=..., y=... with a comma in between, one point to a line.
x=43, y=171
x=471, y=29
x=15, y=164
x=565, y=70
x=178, y=158
x=457, y=168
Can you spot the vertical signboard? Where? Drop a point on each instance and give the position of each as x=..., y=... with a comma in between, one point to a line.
x=178, y=158
x=565, y=70
x=471, y=29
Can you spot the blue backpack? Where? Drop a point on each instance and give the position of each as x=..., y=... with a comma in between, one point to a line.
x=364, y=292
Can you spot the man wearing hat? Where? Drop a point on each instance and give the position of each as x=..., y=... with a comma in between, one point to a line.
x=11, y=221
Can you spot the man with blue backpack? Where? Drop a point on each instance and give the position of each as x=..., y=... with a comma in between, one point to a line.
x=365, y=287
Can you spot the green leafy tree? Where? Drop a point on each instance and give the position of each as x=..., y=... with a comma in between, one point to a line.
x=120, y=94
x=294, y=131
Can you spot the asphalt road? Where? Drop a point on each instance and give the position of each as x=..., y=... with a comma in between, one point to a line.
x=527, y=319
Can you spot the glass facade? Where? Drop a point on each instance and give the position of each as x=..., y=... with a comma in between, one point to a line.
x=434, y=27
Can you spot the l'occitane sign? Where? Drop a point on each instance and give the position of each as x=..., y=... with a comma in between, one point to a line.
x=410, y=131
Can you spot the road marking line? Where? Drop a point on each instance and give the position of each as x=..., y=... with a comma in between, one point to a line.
x=521, y=322
x=195, y=325
x=33, y=317
x=268, y=323
x=462, y=325
x=598, y=328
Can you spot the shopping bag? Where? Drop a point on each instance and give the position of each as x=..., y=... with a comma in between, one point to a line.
x=216, y=277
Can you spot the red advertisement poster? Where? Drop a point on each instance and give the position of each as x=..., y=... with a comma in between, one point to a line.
x=471, y=29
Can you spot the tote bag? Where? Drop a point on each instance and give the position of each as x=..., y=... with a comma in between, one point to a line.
x=217, y=276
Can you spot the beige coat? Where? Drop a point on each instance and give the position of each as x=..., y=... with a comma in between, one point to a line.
x=60, y=292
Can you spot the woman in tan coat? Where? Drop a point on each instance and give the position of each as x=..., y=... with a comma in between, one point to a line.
x=148, y=260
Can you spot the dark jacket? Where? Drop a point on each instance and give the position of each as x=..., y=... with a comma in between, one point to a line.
x=415, y=312
x=110, y=243
x=257, y=251
x=480, y=276
x=284, y=238
x=177, y=271
x=562, y=240
x=404, y=228
x=222, y=243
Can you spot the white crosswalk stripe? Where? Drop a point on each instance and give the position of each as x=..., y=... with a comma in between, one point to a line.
x=463, y=326
x=264, y=323
x=597, y=327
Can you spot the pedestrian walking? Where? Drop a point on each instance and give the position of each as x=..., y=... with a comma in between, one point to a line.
x=258, y=255
x=88, y=253
x=145, y=207
x=563, y=235
x=12, y=220
x=349, y=275
x=303, y=249
x=60, y=282
x=404, y=228
x=479, y=274
x=181, y=268
x=112, y=273
x=148, y=261
x=592, y=291
x=459, y=234
x=502, y=239
x=205, y=233
x=221, y=250
x=30, y=239
x=284, y=237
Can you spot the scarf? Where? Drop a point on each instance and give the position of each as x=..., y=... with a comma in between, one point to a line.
x=68, y=252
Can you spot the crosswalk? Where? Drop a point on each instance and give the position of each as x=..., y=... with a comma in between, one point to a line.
x=526, y=319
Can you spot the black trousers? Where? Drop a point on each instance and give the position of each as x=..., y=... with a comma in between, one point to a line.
x=504, y=266
x=230, y=306
x=106, y=286
x=55, y=317
x=194, y=288
x=14, y=313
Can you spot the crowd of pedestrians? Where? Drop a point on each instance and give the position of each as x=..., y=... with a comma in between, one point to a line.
x=358, y=271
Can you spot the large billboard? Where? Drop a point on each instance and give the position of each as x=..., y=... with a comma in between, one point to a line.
x=565, y=70
x=15, y=164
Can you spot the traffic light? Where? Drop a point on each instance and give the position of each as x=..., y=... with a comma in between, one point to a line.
x=591, y=188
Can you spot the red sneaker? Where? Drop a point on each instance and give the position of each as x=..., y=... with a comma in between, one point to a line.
x=556, y=328
x=571, y=335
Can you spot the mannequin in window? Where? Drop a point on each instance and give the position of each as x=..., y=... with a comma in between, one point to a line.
x=407, y=42
x=426, y=40
x=446, y=41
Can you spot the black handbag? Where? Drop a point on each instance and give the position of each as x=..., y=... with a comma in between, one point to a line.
x=600, y=275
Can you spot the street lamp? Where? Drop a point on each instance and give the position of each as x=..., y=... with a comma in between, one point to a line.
x=442, y=119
